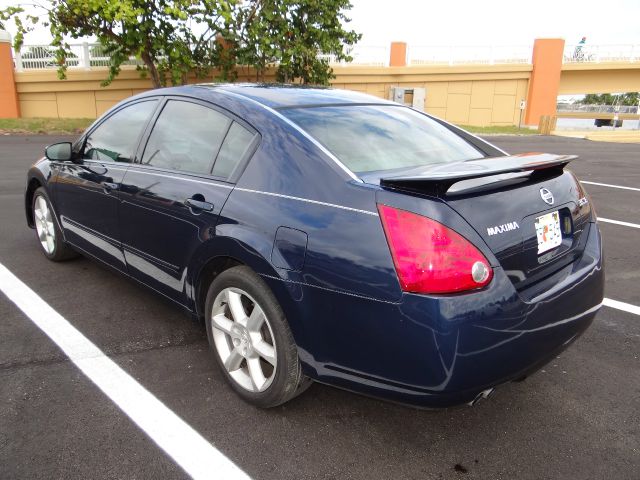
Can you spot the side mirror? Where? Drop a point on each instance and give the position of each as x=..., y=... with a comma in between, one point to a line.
x=59, y=152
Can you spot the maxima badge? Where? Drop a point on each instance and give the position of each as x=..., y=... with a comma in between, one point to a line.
x=546, y=195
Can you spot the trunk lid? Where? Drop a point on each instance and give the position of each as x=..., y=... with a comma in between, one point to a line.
x=502, y=199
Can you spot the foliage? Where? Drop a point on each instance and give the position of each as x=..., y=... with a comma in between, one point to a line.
x=158, y=32
x=631, y=99
x=296, y=35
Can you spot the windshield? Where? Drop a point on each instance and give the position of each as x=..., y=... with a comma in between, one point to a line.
x=381, y=137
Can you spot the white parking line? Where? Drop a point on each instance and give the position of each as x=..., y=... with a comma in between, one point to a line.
x=626, y=307
x=183, y=444
x=618, y=222
x=609, y=185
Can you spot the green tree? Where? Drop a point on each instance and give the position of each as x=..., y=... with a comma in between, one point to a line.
x=296, y=35
x=158, y=32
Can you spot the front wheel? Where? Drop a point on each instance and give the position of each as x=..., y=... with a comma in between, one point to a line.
x=49, y=234
x=251, y=339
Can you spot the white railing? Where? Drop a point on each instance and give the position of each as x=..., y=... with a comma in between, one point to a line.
x=88, y=55
x=579, y=108
x=82, y=56
x=472, y=54
x=371, y=55
x=601, y=53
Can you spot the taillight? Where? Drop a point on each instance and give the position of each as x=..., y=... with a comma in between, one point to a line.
x=431, y=258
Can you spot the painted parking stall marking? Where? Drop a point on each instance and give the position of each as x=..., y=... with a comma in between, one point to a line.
x=192, y=452
x=625, y=307
x=618, y=222
x=610, y=185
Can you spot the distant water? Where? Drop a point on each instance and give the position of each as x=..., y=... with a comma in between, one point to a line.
x=587, y=124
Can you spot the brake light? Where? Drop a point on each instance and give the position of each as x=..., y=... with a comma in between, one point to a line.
x=431, y=258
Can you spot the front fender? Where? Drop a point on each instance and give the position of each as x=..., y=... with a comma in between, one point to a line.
x=40, y=174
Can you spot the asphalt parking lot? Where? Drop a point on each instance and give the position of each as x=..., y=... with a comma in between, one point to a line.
x=579, y=418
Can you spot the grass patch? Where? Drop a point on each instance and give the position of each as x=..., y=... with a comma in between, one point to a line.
x=44, y=125
x=500, y=130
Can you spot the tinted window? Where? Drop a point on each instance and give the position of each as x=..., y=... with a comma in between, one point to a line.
x=186, y=137
x=234, y=148
x=116, y=139
x=367, y=138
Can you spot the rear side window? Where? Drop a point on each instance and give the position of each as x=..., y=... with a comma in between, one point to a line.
x=233, y=150
x=116, y=139
x=186, y=137
x=381, y=137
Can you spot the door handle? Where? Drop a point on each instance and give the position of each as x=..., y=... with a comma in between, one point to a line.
x=199, y=205
x=108, y=186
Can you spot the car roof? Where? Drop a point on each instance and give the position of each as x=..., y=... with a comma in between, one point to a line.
x=288, y=96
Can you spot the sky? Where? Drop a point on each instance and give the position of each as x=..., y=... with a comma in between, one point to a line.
x=473, y=22
x=495, y=22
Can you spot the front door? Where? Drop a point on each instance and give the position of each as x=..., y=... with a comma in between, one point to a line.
x=86, y=191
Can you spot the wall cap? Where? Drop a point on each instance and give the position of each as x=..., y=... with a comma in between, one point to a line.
x=5, y=37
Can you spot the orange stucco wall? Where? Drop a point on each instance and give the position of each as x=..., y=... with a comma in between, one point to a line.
x=8, y=94
x=545, y=79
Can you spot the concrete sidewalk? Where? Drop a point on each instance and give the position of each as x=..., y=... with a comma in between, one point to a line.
x=617, y=136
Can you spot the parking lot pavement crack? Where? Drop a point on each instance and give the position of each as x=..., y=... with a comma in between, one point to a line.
x=113, y=353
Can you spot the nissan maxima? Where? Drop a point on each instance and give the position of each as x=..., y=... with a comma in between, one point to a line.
x=330, y=236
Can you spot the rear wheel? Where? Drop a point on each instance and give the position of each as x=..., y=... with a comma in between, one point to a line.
x=49, y=234
x=251, y=339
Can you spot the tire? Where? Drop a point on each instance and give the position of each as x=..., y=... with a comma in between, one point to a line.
x=257, y=355
x=47, y=230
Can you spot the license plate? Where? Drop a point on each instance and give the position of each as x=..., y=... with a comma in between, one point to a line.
x=548, y=232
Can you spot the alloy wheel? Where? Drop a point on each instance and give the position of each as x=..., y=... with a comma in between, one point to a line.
x=44, y=225
x=244, y=339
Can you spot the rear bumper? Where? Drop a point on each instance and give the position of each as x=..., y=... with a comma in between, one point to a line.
x=442, y=351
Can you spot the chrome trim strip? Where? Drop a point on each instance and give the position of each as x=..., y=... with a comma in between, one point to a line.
x=186, y=178
x=141, y=254
x=317, y=202
x=95, y=240
x=324, y=150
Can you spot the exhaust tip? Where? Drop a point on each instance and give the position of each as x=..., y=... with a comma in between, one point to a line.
x=484, y=394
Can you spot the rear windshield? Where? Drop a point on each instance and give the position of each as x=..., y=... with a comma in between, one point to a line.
x=382, y=137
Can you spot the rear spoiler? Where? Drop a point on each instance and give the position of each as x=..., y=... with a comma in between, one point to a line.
x=437, y=179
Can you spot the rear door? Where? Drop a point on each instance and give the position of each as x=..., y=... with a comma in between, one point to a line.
x=87, y=190
x=172, y=197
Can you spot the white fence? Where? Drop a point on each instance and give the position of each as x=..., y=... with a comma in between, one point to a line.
x=601, y=53
x=89, y=55
x=82, y=56
x=472, y=54
x=371, y=55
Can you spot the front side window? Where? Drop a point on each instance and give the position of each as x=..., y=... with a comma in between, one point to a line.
x=116, y=139
x=381, y=137
x=186, y=137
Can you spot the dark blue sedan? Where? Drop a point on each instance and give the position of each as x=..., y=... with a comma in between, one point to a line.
x=330, y=236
